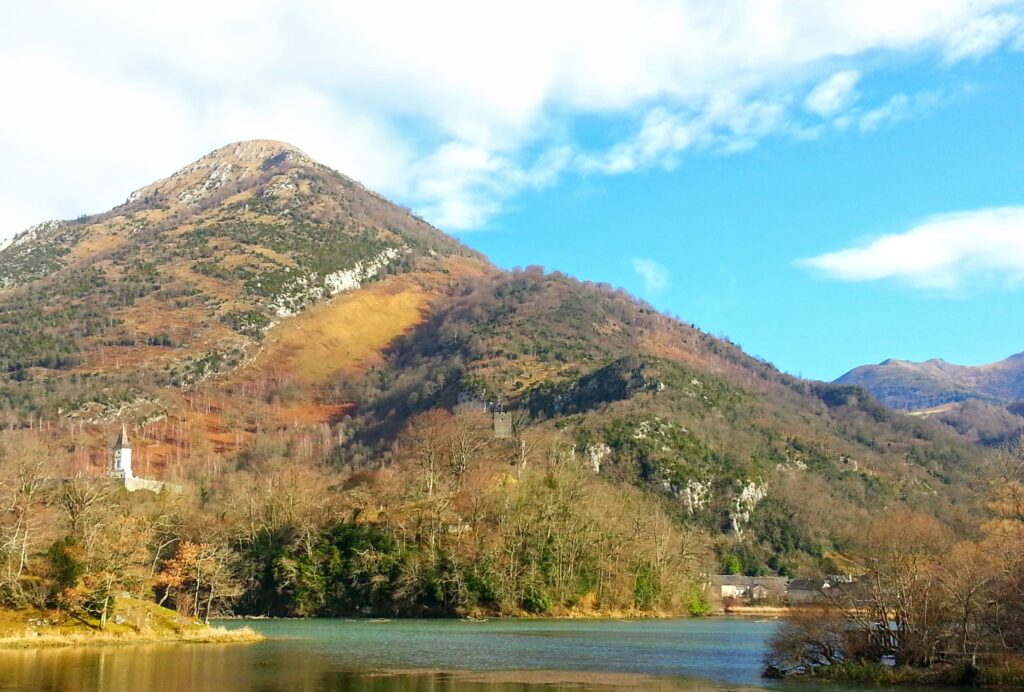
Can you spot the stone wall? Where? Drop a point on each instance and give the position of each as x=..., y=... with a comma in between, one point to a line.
x=133, y=484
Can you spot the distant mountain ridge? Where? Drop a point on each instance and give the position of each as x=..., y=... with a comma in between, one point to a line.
x=914, y=386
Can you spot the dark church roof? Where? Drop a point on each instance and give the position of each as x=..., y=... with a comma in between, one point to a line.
x=122, y=439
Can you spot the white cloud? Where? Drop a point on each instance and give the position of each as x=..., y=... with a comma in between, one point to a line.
x=833, y=95
x=980, y=36
x=895, y=109
x=655, y=275
x=725, y=123
x=451, y=106
x=469, y=182
x=947, y=253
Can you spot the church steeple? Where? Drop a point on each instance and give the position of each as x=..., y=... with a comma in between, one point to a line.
x=122, y=462
x=122, y=439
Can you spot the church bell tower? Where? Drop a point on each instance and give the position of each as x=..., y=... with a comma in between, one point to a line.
x=122, y=466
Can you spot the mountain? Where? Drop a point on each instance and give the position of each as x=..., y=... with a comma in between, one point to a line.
x=982, y=403
x=182, y=279
x=258, y=306
x=914, y=386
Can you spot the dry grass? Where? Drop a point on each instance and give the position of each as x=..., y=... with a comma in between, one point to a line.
x=345, y=334
x=101, y=239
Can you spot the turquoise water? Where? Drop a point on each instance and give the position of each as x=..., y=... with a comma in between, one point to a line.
x=427, y=655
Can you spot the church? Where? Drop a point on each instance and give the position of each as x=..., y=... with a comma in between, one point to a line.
x=121, y=467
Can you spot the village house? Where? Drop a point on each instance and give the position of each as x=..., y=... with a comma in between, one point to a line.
x=805, y=591
x=759, y=592
x=776, y=589
x=748, y=588
x=812, y=590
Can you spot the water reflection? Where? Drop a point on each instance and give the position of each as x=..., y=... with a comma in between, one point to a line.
x=428, y=656
x=181, y=668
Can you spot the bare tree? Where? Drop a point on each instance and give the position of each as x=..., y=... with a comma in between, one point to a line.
x=468, y=439
x=24, y=462
x=425, y=443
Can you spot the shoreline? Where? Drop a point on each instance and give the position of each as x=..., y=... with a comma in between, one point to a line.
x=992, y=674
x=43, y=640
x=767, y=612
x=773, y=612
x=142, y=622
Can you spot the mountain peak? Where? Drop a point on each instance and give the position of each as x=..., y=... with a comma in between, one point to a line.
x=262, y=207
x=257, y=151
x=199, y=179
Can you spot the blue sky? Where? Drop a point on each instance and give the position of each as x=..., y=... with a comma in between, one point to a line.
x=729, y=229
x=826, y=184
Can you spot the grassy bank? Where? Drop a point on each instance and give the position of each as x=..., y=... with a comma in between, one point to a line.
x=992, y=673
x=132, y=621
x=766, y=611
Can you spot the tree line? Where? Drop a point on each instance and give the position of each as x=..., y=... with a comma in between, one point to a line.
x=931, y=606
x=459, y=523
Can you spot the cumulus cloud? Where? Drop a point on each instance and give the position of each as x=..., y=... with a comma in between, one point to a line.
x=833, y=95
x=654, y=275
x=945, y=253
x=452, y=107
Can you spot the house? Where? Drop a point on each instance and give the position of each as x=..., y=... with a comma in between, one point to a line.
x=752, y=588
x=805, y=591
x=759, y=592
x=813, y=590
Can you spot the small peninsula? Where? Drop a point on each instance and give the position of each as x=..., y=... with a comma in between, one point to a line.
x=133, y=621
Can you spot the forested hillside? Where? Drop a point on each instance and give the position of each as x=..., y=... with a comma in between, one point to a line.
x=317, y=370
x=732, y=444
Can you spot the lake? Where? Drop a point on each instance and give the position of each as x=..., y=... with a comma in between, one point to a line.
x=422, y=655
